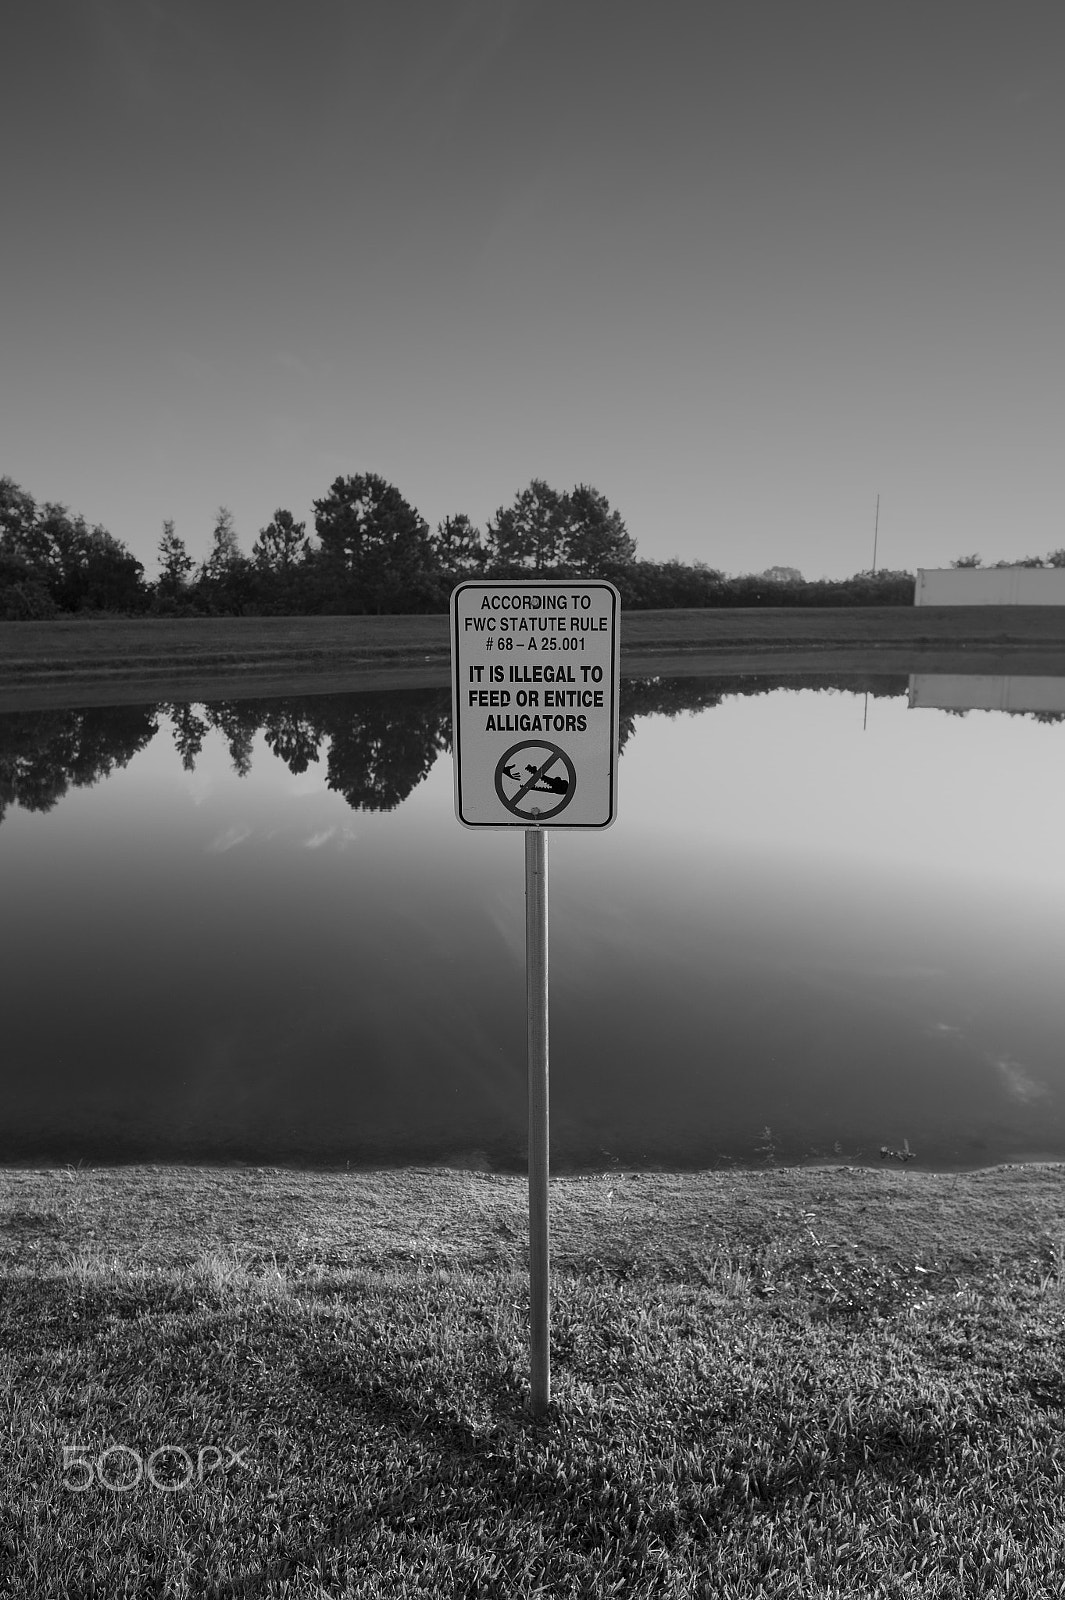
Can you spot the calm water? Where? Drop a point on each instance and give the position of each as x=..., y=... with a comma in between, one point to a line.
x=827, y=920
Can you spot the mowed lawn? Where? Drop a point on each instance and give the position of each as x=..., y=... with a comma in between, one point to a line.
x=73, y=644
x=821, y=1382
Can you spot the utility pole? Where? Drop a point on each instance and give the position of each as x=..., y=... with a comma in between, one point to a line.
x=876, y=530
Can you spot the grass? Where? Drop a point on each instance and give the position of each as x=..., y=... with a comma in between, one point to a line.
x=213, y=658
x=823, y=1382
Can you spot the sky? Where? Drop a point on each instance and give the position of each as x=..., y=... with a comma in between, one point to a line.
x=744, y=267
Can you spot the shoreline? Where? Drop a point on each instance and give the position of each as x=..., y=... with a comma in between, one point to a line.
x=158, y=1214
x=75, y=662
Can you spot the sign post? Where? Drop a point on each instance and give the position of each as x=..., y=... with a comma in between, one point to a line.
x=534, y=686
x=536, y=990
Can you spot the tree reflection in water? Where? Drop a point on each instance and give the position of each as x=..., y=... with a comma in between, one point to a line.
x=43, y=754
x=379, y=745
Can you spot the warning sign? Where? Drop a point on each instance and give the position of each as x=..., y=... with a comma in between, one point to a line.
x=534, y=671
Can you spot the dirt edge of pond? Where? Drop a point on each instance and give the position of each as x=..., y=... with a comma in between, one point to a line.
x=137, y=684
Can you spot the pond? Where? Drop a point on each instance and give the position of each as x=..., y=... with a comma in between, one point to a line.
x=829, y=923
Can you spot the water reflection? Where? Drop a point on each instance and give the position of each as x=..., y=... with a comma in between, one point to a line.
x=254, y=929
x=378, y=746
x=43, y=754
x=1040, y=697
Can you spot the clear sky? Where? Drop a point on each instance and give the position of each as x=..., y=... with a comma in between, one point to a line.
x=742, y=266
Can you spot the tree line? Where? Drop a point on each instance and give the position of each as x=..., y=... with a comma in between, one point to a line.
x=372, y=552
x=1053, y=558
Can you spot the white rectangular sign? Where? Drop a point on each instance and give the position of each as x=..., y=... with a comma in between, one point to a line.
x=534, y=685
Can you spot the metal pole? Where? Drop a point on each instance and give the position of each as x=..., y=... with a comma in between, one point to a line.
x=876, y=530
x=536, y=993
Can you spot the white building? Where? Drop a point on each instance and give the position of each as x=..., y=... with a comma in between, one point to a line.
x=990, y=586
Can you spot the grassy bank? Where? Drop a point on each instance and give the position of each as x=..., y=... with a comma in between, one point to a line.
x=818, y=1382
x=49, y=662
